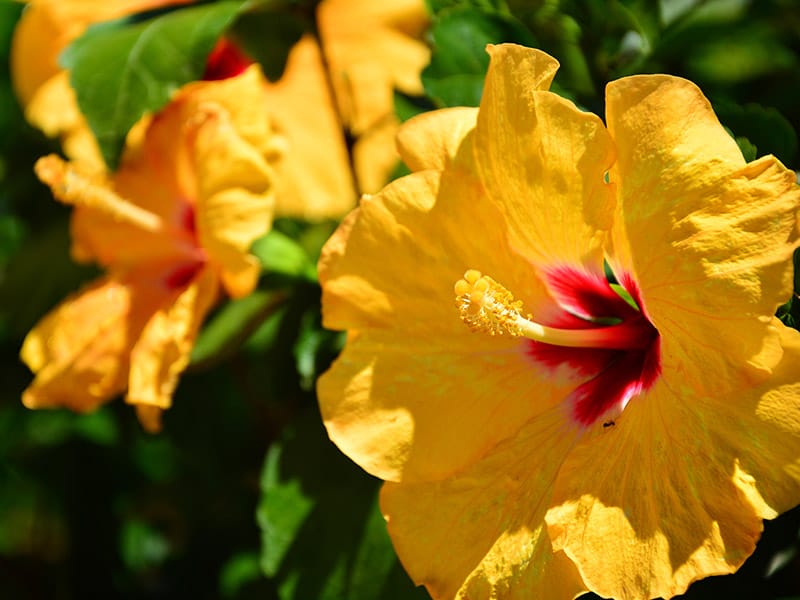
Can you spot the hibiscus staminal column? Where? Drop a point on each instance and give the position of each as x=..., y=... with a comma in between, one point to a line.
x=621, y=358
x=77, y=189
x=487, y=306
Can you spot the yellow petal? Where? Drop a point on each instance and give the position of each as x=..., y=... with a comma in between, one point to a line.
x=243, y=98
x=150, y=417
x=543, y=161
x=54, y=110
x=481, y=533
x=432, y=140
x=386, y=398
x=223, y=159
x=162, y=350
x=234, y=196
x=79, y=352
x=371, y=48
x=313, y=176
x=676, y=490
x=761, y=431
x=707, y=238
x=39, y=36
x=375, y=156
x=228, y=223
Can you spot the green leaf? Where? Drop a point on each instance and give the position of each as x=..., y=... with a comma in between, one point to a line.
x=232, y=324
x=406, y=106
x=142, y=545
x=125, y=68
x=12, y=232
x=155, y=457
x=741, y=55
x=312, y=345
x=672, y=10
x=796, y=261
x=436, y=6
x=322, y=534
x=267, y=36
x=749, y=150
x=10, y=115
x=780, y=561
x=51, y=428
x=789, y=313
x=281, y=254
x=765, y=128
x=98, y=427
x=240, y=570
x=459, y=60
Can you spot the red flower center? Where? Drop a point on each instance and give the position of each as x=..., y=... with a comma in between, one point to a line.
x=179, y=277
x=611, y=375
x=182, y=275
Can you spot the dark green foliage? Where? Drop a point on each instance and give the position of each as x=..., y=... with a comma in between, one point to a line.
x=322, y=534
x=267, y=34
x=455, y=74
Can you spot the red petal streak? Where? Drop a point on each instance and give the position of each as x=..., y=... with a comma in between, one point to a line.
x=610, y=377
x=187, y=219
x=226, y=60
x=182, y=276
x=585, y=295
x=608, y=392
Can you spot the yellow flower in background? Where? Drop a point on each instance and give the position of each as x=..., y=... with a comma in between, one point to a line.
x=171, y=227
x=314, y=180
x=373, y=48
x=45, y=28
x=346, y=79
x=541, y=431
x=367, y=50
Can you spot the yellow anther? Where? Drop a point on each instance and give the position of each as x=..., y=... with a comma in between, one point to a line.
x=487, y=306
x=472, y=276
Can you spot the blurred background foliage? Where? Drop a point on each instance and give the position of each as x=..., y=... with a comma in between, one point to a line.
x=242, y=496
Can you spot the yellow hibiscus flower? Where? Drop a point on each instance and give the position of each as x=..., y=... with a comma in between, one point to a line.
x=627, y=438
x=172, y=226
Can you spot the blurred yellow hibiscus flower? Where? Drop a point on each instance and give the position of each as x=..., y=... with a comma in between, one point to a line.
x=341, y=81
x=171, y=228
x=373, y=48
x=559, y=430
